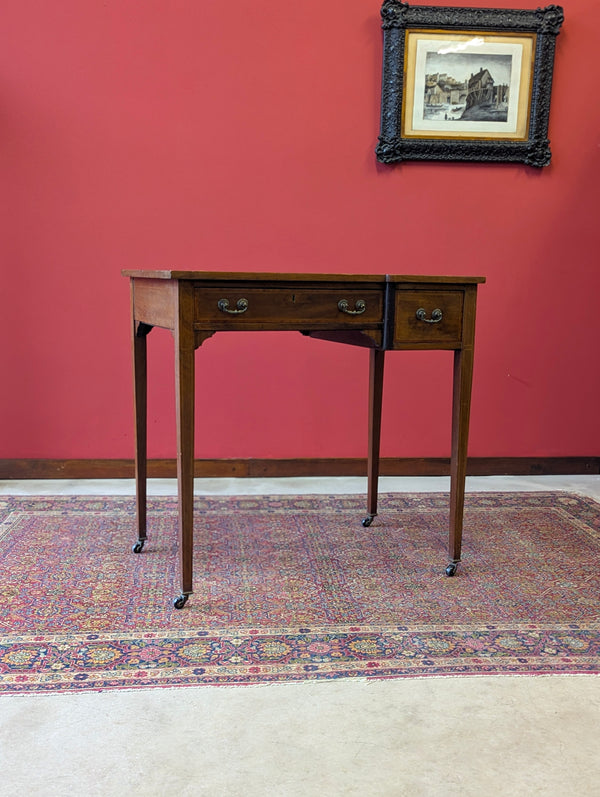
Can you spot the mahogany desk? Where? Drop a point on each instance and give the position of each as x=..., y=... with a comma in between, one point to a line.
x=380, y=312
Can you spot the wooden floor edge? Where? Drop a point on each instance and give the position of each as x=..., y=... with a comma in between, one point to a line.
x=272, y=468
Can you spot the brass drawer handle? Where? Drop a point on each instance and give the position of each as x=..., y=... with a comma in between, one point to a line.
x=436, y=316
x=359, y=307
x=241, y=306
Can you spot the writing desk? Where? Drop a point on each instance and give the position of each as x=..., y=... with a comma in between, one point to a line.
x=380, y=312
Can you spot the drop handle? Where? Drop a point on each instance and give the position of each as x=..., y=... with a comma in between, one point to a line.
x=241, y=306
x=359, y=307
x=436, y=315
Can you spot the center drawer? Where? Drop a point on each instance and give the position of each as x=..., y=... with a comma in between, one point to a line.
x=277, y=308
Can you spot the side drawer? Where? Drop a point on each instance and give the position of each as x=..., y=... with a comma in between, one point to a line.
x=428, y=318
x=240, y=307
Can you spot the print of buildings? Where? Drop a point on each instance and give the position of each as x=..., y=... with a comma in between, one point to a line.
x=477, y=91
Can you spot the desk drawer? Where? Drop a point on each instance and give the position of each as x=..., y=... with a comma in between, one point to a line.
x=276, y=308
x=428, y=318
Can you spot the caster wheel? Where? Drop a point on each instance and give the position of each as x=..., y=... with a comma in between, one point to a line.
x=180, y=602
x=138, y=547
x=368, y=520
x=451, y=569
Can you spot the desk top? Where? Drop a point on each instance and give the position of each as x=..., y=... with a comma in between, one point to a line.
x=208, y=276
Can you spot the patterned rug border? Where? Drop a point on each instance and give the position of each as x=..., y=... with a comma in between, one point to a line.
x=72, y=662
x=306, y=501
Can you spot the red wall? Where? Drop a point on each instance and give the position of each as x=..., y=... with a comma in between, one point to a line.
x=188, y=134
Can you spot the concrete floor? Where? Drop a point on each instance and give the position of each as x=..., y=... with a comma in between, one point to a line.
x=480, y=736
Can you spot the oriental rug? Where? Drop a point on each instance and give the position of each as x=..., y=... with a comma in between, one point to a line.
x=295, y=588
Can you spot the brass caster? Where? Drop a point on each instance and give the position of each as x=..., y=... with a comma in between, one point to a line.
x=180, y=602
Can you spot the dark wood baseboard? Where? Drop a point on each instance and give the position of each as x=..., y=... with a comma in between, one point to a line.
x=270, y=468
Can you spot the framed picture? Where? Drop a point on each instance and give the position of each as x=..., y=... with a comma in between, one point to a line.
x=470, y=84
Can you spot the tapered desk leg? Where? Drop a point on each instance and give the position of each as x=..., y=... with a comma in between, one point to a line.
x=185, y=388
x=376, y=363
x=140, y=381
x=461, y=405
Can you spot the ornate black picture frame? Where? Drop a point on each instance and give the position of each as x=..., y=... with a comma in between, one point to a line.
x=468, y=84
